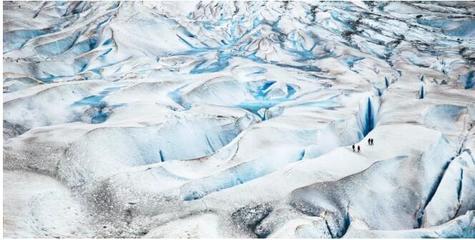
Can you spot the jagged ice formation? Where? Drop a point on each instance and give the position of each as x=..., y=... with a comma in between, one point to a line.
x=236, y=119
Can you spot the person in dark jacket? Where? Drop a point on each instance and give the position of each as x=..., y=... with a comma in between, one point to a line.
x=353, y=147
x=359, y=148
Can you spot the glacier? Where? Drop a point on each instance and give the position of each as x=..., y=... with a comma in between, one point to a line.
x=236, y=119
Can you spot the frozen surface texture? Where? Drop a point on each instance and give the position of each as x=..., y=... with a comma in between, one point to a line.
x=237, y=119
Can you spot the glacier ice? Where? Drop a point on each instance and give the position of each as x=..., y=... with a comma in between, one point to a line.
x=198, y=119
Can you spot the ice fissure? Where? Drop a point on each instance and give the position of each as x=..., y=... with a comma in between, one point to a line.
x=368, y=115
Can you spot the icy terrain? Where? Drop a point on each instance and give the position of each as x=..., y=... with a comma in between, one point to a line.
x=236, y=119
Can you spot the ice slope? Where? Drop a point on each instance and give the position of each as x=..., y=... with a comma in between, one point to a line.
x=236, y=119
x=39, y=206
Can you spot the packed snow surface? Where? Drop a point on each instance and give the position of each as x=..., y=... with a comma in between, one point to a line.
x=237, y=119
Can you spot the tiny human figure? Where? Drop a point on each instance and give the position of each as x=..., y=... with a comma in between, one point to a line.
x=372, y=141
x=353, y=147
x=359, y=148
x=369, y=141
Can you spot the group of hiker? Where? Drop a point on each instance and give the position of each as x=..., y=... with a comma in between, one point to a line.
x=358, y=148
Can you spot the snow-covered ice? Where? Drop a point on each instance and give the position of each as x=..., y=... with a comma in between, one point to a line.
x=226, y=119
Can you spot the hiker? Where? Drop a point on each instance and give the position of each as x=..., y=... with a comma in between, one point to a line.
x=359, y=148
x=353, y=147
x=369, y=141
